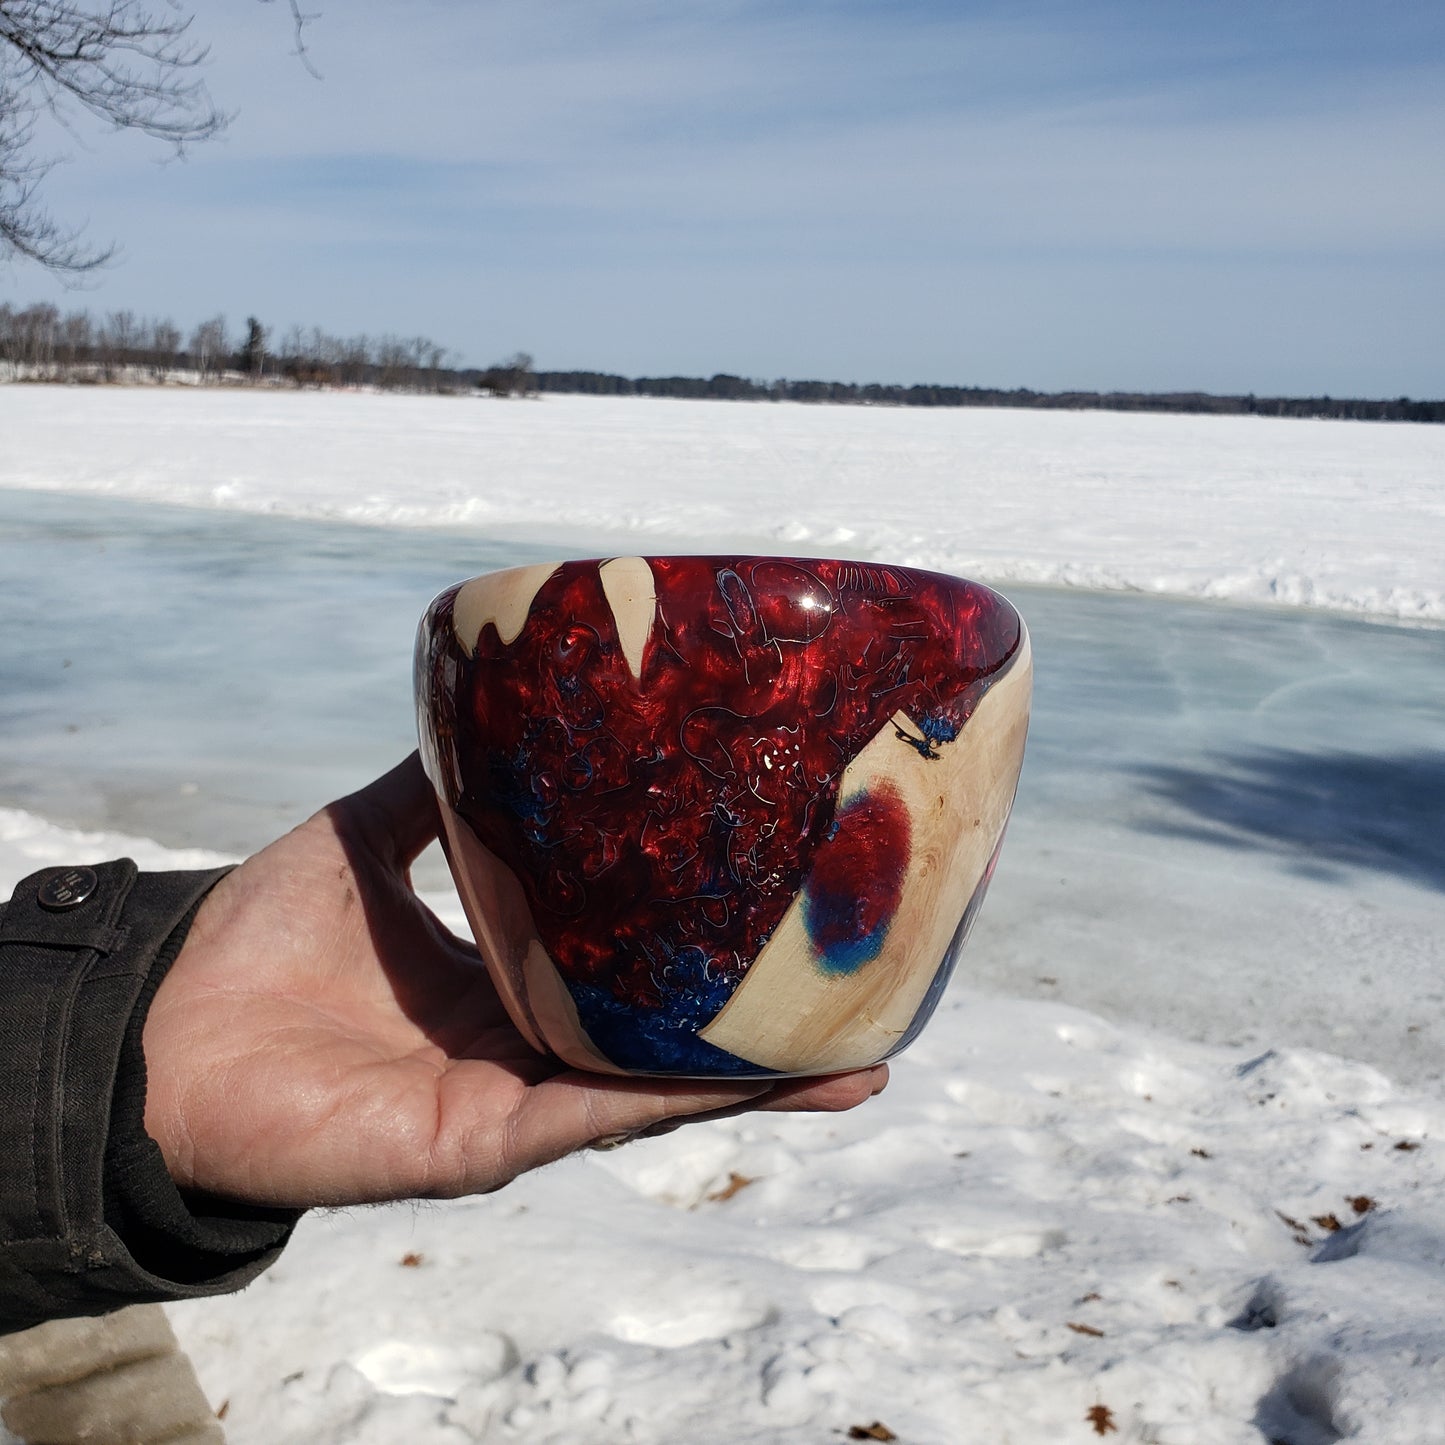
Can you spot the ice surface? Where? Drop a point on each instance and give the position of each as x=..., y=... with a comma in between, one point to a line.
x=1074, y=1195
x=1229, y=826
x=202, y=677
x=1242, y=798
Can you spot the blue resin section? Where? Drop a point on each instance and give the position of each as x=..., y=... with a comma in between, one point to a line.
x=654, y=1041
x=832, y=925
x=663, y=1040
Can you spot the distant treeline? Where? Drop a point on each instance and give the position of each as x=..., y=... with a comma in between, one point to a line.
x=737, y=388
x=38, y=343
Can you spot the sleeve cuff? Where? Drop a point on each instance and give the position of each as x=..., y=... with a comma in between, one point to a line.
x=90, y=1220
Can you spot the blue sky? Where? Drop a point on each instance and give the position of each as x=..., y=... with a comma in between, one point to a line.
x=1141, y=195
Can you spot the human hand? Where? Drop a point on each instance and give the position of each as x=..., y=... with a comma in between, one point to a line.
x=323, y=1039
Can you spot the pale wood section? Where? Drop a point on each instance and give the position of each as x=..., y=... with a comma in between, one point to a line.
x=631, y=593
x=789, y=1013
x=504, y=598
x=497, y=910
x=557, y=1016
x=517, y=959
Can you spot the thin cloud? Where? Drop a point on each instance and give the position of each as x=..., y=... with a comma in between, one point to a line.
x=690, y=159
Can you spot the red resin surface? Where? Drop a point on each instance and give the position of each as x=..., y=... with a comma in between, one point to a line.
x=661, y=826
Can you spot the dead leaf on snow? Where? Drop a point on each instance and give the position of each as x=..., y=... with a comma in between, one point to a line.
x=876, y=1431
x=736, y=1183
x=1301, y=1234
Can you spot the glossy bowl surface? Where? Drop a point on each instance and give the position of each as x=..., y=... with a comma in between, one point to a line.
x=722, y=815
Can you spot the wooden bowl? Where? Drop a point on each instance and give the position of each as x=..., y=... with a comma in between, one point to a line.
x=722, y=815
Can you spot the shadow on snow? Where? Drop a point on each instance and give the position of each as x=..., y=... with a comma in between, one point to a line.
x=1321, y=811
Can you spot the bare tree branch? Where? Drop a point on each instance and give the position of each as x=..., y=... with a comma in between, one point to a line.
x=131, y=63
x=125, y=62
x=300, y=20
x=25, y=229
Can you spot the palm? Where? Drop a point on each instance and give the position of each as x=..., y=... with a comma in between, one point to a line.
x=323, y=1039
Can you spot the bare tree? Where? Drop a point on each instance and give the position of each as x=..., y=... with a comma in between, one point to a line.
x=393, y=361
x=130, y=63
x=511, y=377
x=119, y=335
x=435, y=355
x=38, y=330
x=252, y=356
x=165, y=346
x=210, y=346
x=77, y=338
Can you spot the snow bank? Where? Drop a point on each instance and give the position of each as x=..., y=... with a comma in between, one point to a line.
x=1348, y=516
x=1046, y=1226
x=1044, y=1218
x=28, y=843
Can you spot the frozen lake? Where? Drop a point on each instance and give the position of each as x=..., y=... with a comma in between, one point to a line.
x=1228, y=831
x=1228, y=825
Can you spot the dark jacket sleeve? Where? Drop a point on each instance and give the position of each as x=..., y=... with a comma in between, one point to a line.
x=89, y=1218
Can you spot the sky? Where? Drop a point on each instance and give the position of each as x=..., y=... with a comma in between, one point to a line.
x=1140, y=195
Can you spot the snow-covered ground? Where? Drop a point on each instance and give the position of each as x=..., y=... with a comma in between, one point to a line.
x=1059, y=1224
x=1334, y=514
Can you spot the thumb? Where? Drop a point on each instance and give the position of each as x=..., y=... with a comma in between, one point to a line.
x=396, y=815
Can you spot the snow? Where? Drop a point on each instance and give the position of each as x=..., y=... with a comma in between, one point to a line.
x=940, y=1262
x=1342, y=515
x=1178, y=1210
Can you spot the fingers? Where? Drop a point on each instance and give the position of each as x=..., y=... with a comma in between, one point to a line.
x=398, y=812
x=830, y=1095
x=573, y=1110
